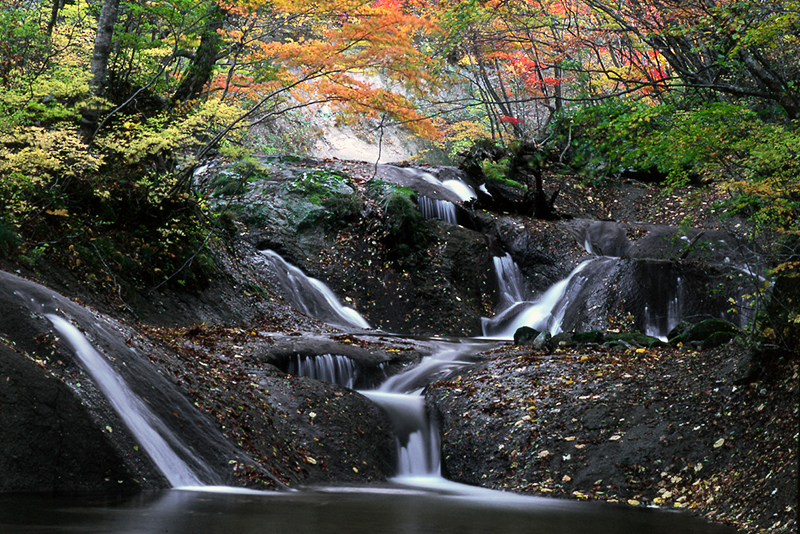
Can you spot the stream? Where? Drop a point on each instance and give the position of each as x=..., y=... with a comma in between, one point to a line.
x=417, y=500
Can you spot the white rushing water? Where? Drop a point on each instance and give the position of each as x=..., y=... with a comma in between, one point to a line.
x=419, y=461
x=333, y=368
x=511, y=282
x=444, y=210
x=660, y=324
x=148, y=429
x=544, y=314
x=312, y=296
x=437, y=209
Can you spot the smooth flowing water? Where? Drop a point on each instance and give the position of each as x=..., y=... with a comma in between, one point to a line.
x=156, y=439
x=543, y=314
x=417, y=500
x=333, y=368
x=437, y=209
x=312, y=296
x=419, y=462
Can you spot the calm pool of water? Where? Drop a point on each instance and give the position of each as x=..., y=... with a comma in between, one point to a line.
x=384, y=510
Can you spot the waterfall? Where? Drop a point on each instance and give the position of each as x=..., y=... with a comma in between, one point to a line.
x=545, y=313
x=311, y=296
x=417, y=439
x=464, y=192
x=335, y=369
x=659, y=322
x=149, y=430
x=444, y=210
x=437, y=209
x=401, y=396
x=511, y=282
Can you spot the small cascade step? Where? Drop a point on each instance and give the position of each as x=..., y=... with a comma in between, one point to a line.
x=437, y=209
x=156, y=439
x=336, y=369
x=311, y=296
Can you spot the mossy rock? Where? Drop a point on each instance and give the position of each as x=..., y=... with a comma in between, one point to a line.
x=704, y=330
x=717, y=339
x=525, y=335
x=681, y=328
x=562, y=337
x=635, y=339
x=592, y=336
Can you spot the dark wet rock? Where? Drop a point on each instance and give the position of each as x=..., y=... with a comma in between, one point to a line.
x=713, y=331
x=543, y=341
x=623, y=426
x=591, y=336
x=635, y=339
x=54, y=437
x=681, y=328
x=525, y=335
x=563, y=339
x=718, y=339
x=650, y=293
x=444, y=295
x=665, y=242
x=370, y=363
x=49, y=441
x=324, y=432
x=330, y=433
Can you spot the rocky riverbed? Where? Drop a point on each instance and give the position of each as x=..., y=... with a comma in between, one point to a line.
x=672, y=427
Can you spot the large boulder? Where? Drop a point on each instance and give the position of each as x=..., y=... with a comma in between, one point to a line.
x=49, y=441
x=710, y=333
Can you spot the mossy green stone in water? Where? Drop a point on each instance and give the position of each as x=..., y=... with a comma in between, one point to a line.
x=704, y=330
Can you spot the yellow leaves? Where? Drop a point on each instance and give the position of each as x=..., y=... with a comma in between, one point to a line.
x=58, y=213
x=42, y=153
x=138, y=140
x=793, y=266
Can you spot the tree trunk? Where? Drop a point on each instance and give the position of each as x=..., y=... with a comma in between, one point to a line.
x=202, y=65
x=99, y=66
x=53, y=17
x=102, y=45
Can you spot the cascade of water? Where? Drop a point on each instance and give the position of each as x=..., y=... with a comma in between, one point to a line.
x=437, y=209
x=336, y=369
x=511, y=282
x=659, y=322
x=311, y=296
x=401, y=397
x=464, y=192
x=148, y=429
x=417, y=439
x=546, y=313
x=443, y=210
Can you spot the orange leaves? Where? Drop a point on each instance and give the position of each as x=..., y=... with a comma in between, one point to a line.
x=347, y=52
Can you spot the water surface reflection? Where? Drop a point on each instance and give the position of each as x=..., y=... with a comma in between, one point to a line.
x=380, y=510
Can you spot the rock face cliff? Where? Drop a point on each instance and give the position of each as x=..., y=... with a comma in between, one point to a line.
x=49, y=442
